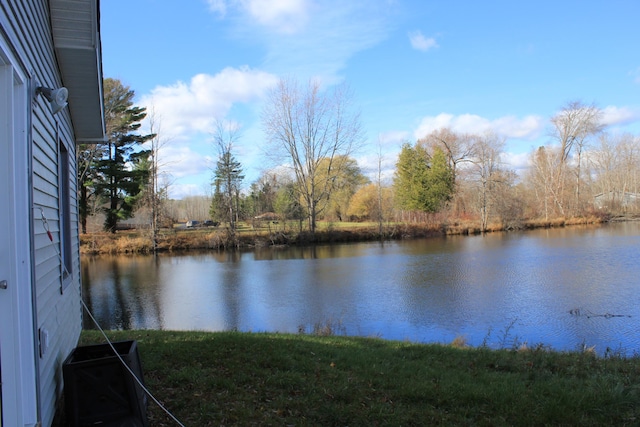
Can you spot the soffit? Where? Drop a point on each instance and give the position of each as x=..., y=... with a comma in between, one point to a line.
x=76, y=38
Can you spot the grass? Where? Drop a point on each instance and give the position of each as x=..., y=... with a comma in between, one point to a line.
x=233, y=378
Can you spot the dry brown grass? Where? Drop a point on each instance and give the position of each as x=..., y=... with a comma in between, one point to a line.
x=459, y=342
x=247, y=237
x=589, y=219
x=544, y=223
x=469, y=227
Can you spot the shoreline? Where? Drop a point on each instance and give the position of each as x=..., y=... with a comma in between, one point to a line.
x=181, y=240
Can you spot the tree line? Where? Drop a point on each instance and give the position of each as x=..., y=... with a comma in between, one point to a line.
x=584, y=169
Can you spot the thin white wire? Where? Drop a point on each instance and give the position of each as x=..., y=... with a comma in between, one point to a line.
x=128, y=368
x=45, y=224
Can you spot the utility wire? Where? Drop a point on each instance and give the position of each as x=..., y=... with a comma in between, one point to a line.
x=45, y=224
x=128, y=368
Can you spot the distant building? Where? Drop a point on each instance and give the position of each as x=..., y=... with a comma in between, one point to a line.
x=617, y=199
x=267, y=216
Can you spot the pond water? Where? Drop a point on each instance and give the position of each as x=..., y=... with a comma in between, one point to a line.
x=564, y=288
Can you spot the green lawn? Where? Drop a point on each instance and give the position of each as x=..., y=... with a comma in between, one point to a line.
x=232, y=378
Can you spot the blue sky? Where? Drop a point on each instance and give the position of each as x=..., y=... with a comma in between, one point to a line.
x=414, y=66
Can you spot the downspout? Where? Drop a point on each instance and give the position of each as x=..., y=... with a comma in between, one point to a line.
x=32, y=255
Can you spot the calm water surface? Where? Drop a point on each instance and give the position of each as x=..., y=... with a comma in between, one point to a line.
x=563, y=287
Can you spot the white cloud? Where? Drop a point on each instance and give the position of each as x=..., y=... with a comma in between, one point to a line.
x=281, y=16
x=371, y=164
x=516, y=161
x=422, y=43
x=185, y=114
x=392, y=138
x=278, y=16
x=218, y=6
x=612, y=116
x=181, y=161
x=184, y=109
x=181, y=165
x=179, y=191
x=528, y=127
x=309, y=38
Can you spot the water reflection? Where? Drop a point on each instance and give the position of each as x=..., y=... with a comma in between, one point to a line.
x=498, y=288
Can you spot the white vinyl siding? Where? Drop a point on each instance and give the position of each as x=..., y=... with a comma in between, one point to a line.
x=58, y=314
x=17, y=347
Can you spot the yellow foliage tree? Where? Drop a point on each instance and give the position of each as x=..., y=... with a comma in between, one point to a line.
x=368, y=203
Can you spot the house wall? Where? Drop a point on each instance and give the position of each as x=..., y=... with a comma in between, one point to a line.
x=57, y=301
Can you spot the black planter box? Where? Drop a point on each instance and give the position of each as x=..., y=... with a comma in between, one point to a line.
x=100, y=391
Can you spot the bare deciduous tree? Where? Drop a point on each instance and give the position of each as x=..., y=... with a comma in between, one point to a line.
x=313, y=128
x=545, y=177
x=157, y=192
x=457, y=147
x=486, y=171
x=615, y=170
x=380, y=216
x=459, y=150
x=573, y=125
x=189, y=207
x=572, y=128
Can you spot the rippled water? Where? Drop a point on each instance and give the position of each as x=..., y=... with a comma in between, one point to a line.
x=564, y=288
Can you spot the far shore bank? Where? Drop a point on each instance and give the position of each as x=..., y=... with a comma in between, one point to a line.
x=247, y=236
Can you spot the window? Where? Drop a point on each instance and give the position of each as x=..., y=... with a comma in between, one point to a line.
x=64, y=193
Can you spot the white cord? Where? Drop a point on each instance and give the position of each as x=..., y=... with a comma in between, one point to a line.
x=45, y=224
x=128, y=368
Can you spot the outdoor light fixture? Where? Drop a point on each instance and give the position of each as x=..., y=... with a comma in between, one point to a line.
x=56, y=97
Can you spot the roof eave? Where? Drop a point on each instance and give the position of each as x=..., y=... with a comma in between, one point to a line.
x=76, y=37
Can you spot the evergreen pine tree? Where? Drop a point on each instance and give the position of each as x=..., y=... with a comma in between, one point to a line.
x=123, y=170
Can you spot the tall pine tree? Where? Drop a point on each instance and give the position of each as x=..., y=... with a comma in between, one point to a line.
x=123, y=170
x=227, y=180
x=422, y=182
x=227, y=177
